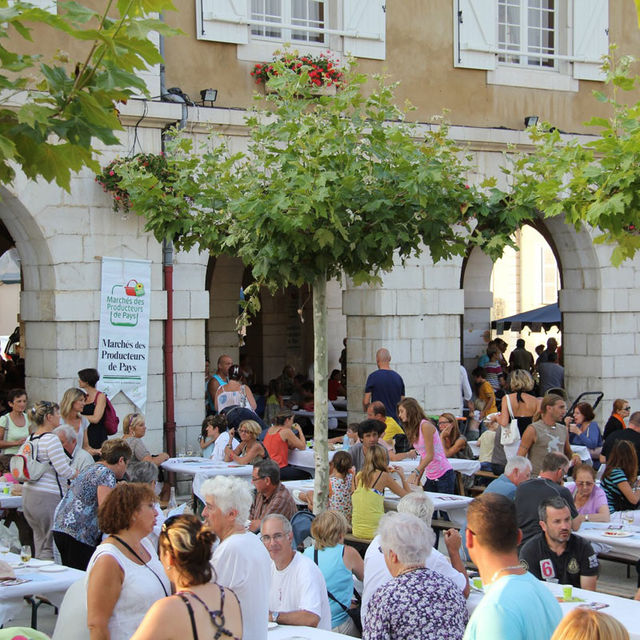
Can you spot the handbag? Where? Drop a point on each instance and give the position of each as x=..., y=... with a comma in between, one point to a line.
x=510, y=434
x=353, y=612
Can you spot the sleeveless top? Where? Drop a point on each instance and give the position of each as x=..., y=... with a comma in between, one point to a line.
x=439, y=464
x=140, y=589
x=233, y=399
x=337, y=578
x=278, y=449
x=216, y=617
x=96, y=433
x=548, y=439
x=340, y=495
x=368, y=508
x=13, y=432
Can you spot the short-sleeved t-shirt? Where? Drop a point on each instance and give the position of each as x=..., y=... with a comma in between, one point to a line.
x=300, y=586
x=578, y=559
x=77, y=513
x=627, y=434
x=386, y=386
x=515, y=607
x=596, y=500
x=503, y=486
x=528, y=497
x=393, y=429
x=138, y=449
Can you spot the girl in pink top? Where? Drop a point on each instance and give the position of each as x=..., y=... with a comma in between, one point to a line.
x=423, y=434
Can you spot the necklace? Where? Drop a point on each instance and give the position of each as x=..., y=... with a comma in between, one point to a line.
x=410, y=568
x=499, y=571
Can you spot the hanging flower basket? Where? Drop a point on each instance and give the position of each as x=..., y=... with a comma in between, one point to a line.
x=323, y=70
x=109, y=179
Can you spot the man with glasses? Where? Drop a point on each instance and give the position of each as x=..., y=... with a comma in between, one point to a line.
x=631, y=433
x=298, y=593
x=271, y=495
x=515, y=606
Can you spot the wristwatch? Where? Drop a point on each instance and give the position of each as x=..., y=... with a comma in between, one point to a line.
x=274, y=616
x=586, y=517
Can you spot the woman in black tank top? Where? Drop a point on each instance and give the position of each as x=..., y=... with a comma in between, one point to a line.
x=200, y=608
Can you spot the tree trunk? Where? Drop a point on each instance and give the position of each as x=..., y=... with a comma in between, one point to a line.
x=320, y=401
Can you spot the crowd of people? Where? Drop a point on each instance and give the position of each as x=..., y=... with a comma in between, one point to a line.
x=240, y=565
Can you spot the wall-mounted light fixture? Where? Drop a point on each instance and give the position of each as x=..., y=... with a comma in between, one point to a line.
x=208, y=95
x=530, y=121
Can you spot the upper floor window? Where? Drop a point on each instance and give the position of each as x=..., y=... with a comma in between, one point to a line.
x=547, y=44
x=356, y=27
x=527, y=28
x=308, y=14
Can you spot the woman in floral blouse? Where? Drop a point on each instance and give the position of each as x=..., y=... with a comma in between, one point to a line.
x=418, y=604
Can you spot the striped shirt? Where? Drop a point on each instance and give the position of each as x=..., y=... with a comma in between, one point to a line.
x=59, y=471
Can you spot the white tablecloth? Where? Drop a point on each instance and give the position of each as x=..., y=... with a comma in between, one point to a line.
x=333, y=413
x=628, y=545
x=624, y=610
x=583, y=452
x=468, y=467
x=288, y=632
x=192, y=466
x=305, y=458
x=8, y=501
x=39, y=582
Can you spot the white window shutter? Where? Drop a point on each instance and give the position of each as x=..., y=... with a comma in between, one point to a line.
x=590, y=37
x=366, y=20
x=475, y=26
x=223, y=21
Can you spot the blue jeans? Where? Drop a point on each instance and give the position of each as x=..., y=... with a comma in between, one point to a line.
x=444, y=484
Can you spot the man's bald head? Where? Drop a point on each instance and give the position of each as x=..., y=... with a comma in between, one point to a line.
x=383, y=355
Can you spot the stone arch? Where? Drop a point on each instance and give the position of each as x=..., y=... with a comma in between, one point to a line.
x=580, y=264
x=37, y=293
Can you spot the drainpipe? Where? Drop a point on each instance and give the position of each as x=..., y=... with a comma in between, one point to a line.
x=167, y=271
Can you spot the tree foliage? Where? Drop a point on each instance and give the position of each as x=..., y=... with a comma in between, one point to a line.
x=330, y=185
x=595, y=183
x=52, y=110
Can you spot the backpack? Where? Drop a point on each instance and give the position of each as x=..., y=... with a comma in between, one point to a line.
x=25, y=465
x=110, y=419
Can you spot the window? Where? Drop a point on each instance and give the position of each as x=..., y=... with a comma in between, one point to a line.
x=308, y=14
x=527, y=26
x=261, y=26
x=547, y=44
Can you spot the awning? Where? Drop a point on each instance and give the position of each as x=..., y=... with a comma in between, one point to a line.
x=543, y=318
x=10, y=267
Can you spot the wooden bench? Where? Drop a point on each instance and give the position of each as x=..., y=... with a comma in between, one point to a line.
x=620, y=558
x=478, y=489
x=359, y=544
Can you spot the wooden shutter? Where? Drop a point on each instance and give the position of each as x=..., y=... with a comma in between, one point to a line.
x=366, y=20
x=223, y=21
x=590, y=37
x=475, y=26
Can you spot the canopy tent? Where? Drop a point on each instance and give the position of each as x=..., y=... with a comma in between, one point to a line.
x=543, y=318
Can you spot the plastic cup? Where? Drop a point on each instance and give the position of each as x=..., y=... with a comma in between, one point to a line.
x=567, y=593
x=477, y=583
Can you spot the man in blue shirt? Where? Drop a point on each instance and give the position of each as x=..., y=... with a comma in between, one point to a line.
x=516, y=606
x=516, y=471
x=384, y=385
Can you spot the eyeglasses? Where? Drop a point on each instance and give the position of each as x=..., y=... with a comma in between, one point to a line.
x=254, y=479
x=444, y=422
x=276, y=537
x=585, y=484
x=627, y=408
x=243, y=430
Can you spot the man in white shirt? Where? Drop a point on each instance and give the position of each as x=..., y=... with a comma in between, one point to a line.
x=376, y=572
x=79, y=458
x=298, y=593
x=240, y=561
x=222, y=439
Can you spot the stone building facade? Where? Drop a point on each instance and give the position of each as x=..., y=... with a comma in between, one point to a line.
x=431, y=317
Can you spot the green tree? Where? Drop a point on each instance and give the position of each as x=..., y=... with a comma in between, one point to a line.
x=330, y=186
x=596, y=183
x=51, y=110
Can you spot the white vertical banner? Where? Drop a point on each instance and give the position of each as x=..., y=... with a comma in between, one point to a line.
x=123, y=346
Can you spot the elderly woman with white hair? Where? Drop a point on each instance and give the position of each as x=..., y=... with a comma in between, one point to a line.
x=376, y=572
x=418, y=604
x=241, y=561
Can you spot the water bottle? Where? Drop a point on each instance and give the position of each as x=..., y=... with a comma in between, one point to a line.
x=173, y=503
x=345, y=442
